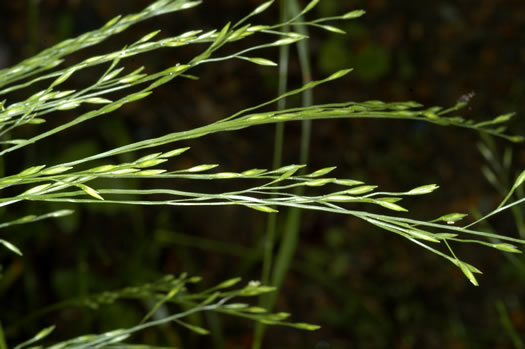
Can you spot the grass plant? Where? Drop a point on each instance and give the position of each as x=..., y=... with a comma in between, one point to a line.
x=85, y=180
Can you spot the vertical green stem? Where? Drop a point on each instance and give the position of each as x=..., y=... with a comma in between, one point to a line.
x=32, y=27
x=271, y=227
x=518, y=218
x=291, y=233
x=290, y=237
x=32, y=49
x=507, y=325
x=216, y=330
x=307, y=95
x=518, y=215
x=284, y=53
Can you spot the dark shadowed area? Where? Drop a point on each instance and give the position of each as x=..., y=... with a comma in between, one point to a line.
x=366, y=287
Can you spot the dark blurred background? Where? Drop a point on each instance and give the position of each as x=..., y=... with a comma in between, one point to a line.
x=366, y=287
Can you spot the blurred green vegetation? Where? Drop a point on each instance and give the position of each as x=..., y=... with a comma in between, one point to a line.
x=367, y=288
